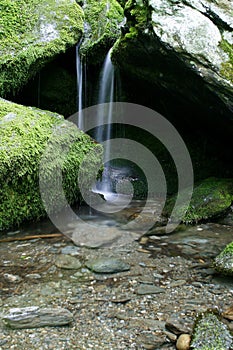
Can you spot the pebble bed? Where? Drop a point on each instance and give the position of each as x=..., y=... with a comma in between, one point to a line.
x=170, y=280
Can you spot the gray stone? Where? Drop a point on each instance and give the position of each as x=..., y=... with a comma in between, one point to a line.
x=149, y=289
x=34, y=317
x=107, y=265
x=70, y=249
x=68, y=262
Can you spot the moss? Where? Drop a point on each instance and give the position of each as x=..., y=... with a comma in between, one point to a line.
x=223, y=263
x=33, y=32
x=227, y=67
x=25, y=132
x=210, y=333
x=138, y=14
x=211, y=198
x=103, y=20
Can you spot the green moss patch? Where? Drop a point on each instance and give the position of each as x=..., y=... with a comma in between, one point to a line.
x=25, y=133
x=223, y=263
x=227, y=67
x=211, y=198
x=210, y=333
x=32, y=33
x=102, y=28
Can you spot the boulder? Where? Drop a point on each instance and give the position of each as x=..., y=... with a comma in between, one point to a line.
x=35, y=145
x=184, y=47
x=210, y=199
x=32, y=34
x=223, y=263
x=210, y=333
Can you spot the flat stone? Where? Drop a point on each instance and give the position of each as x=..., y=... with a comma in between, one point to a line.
x=34, y=317
x=149, y=289
x=107, y=265
x=68, y=262
x=176, y=327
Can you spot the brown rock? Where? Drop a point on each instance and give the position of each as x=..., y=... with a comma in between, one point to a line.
x=183, y=342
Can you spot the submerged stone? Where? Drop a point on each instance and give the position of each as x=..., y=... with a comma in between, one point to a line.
x=210, y=333
x=32, y=34
x=34, y=317
x=107, y=265
x=68, y=262
x=223, y=263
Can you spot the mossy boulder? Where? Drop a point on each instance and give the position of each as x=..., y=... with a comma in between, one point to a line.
x=210, y=333
x=32, y=33
x=103, y=20
x=223, y=263
x=184, y=47
x=210, y=198
x=25, y=135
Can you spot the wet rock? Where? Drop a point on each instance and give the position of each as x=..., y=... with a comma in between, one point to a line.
x=33, y=276
x=70, y=250
x=34, y=317
x=223, y=263
x=210, y=333
x=149, y=289
x=107, y=265
x=12, y=278
x=175, y=326
x=56, y=26
x=24, y=149
x=183, y=342
x=228, y=313
x=103, y=20
x=95, y=238
x=68, y=262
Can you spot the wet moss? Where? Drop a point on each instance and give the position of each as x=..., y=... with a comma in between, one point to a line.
x=227, y=67
x=211, y=198
x=25, y=133
x=210, y=333
x=32, y=33
x=223, y=263
x=102, y=28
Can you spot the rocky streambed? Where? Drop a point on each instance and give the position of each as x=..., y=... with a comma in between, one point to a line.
x=130, y=295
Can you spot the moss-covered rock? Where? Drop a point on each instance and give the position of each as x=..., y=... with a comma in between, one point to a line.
x=25, y=134
x=211, y=198
x=33, y=32
x=223, y=263
x=103, y=19
x=210, y=333
x=187, y=47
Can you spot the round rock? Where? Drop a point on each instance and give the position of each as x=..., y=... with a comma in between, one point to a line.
x=183, y=342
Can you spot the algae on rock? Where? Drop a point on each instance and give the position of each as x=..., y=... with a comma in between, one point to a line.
x=102, y=28
x=210, y=333
x=32, y=33
x=223, y=263
x=211, y=198
x=26, y=133
x=187, y=47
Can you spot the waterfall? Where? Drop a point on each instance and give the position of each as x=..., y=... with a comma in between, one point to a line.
x=81, y=76
x=103, y=133
x=106, y=95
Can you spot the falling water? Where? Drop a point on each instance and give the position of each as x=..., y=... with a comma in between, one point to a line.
x=80, y=83
x=106, y=95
